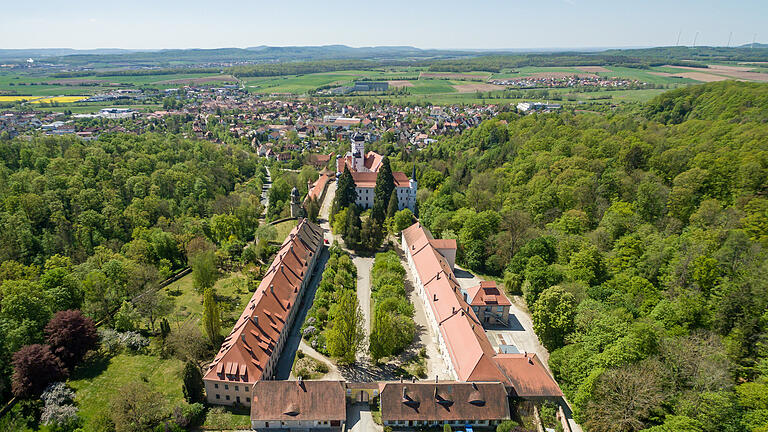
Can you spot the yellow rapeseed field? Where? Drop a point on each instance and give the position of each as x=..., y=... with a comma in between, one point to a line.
x=61, y=99
x=17, y=98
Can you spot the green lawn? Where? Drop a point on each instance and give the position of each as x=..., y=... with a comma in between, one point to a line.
x=283, y=229
x=97, y=383
x=232, y=294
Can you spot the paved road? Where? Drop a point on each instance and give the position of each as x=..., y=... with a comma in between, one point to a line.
x=424, y=336
x=520, y=332
x=265, y=190
x=363, y=264
x=333, y=371
x=285, y=363
x=359, y=419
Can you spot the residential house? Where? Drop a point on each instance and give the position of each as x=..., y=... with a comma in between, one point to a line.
x=489, y=303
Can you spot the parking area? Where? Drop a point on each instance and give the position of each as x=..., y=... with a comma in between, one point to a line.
x=519, y=334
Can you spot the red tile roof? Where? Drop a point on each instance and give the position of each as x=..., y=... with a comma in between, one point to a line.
x=316, y=191
x=299, y=400
x=368, y=179
x=444, y=401
x=487, y=293
x=443, y=243
x=244, y=353
x=372, y=162
x=527, y=376
x=469, y=349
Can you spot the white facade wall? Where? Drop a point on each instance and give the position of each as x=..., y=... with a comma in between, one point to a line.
x=477, y=423
x=239, y=392
x=406, y=197
x=442, y=347
x=294, y=424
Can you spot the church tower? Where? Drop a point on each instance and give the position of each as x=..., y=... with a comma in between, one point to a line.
x=358, y=152
x=295, y=204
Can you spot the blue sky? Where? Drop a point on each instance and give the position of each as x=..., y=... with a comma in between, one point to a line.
x=479, y=24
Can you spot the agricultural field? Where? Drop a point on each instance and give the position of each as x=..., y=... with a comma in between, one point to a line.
x=59, y=99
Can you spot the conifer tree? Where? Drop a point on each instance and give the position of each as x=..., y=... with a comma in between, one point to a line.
x=385, y=184
x=193, y=383
x=393, y=204
x=211, y=317
x=346, y=194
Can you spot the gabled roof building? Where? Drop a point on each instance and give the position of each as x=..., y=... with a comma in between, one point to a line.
x=250, y=352
x=424, y=404
x=462, y=342
x=299, y=405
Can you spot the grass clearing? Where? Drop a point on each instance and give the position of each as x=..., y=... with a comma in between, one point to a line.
x=283, y=229
x=232, y=293
x=96, y=383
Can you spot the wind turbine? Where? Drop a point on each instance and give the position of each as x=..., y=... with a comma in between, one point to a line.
x=694, y=39
x=678, y=37
x=729, y=40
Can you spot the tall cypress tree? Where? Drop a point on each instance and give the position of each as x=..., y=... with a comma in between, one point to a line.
x=393, y=204
x=211, y=317
x=346, y=194
x=385, y=184
x=193, y=383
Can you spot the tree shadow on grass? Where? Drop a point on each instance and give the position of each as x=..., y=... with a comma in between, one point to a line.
x=91, y=367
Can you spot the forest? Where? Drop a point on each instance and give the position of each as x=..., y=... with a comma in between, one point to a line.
x=95, y=226
x=638, y=240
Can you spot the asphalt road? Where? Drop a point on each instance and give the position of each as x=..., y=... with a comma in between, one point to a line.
x=285, y=363
x=359, y=419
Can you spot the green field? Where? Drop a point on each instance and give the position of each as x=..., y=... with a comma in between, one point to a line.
x=97, y=383
x=429, y=90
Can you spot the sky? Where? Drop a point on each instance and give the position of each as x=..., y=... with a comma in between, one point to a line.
x=446, y=24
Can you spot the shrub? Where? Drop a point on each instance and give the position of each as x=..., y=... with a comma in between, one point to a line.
x=59, y=409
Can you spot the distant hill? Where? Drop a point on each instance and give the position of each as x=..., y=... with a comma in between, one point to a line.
x=726, y=100
x=439, y=60
x=20, y=54
x=262, y=54
x=755, y=45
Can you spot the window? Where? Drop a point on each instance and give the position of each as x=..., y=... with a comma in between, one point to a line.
x=499, y=309
x=246, y=388
x=238, y=399
x=215, y=386
x=237, y=388
x=248, y=400
x=227, y=397
x=476, y=309
x=226, y=386
x=218, y=396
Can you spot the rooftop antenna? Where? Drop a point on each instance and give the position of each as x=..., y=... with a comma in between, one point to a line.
x=729, y=40
x=694, y=39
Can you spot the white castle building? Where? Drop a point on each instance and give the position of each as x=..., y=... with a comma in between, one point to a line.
x=364, y=168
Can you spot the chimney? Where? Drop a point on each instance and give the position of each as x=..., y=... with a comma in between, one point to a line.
x=255, y=320
x=434, y=297
x=404, y=390
x=435, y=379
x=242, y=338
x=453, y=310
x=438, y=275
x=272, y=288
